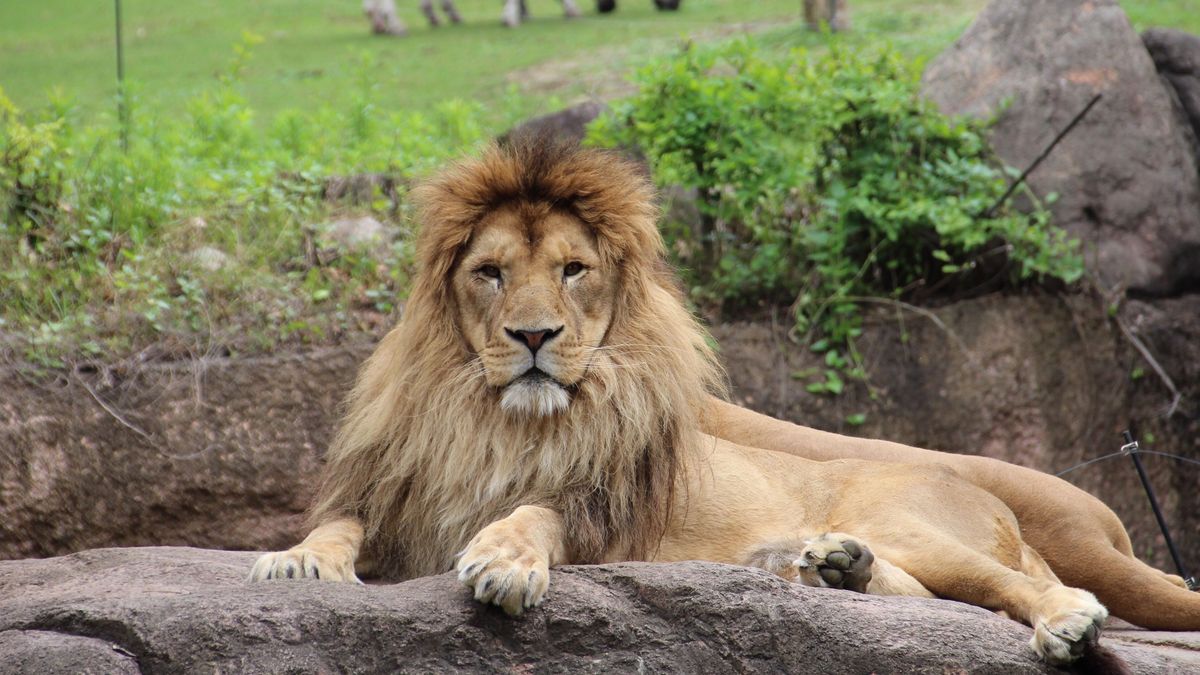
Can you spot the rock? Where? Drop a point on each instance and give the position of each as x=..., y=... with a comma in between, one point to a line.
x=1176, y=54
x=362, y=234
x=179, y=610
x=1126, y=176
x=208, y=258
x=36, y=651
x=568, y=124
x=215, y=452
x=362, y=189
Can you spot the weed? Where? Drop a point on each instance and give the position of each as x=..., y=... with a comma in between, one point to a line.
x=823, y=179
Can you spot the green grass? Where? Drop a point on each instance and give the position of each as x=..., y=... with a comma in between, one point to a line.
x=174, y=49
x=108, y=272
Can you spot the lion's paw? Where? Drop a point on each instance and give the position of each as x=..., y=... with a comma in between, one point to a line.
x=512, y=577
x=1067, y=631
x=835, y=560
x=301, y=562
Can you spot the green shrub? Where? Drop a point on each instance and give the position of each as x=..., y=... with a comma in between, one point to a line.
x=822, y=179
x=99, y=245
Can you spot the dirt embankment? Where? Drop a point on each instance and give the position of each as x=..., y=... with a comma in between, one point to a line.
x=215, y=453
x=1047, y=381
x=223, y=454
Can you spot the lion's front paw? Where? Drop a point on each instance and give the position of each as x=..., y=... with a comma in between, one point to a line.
x=504, y=573
x=835, y=560
x=302, y=562
x=1069, y=627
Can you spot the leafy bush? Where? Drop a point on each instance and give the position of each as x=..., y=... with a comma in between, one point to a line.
x=206, y=233
x=824, y=179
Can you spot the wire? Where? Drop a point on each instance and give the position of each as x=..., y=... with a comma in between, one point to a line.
x=1189, y=460
x=1080, y=465
x=1090, y=461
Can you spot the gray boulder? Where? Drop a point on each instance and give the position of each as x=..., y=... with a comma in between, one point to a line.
x=1126, y=176
x=1176, y=54
x=568, y=124
x=361, y=234
x=177, y=610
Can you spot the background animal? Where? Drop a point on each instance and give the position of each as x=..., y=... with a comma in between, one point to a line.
x=385, y=21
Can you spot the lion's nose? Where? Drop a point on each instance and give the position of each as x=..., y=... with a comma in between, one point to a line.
x=533, y=339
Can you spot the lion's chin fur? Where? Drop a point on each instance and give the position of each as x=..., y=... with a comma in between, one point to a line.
x=534, y=396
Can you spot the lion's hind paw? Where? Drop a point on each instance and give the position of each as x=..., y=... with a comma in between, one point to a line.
x=1071, y=630
x=835, y=560
x=831, y=560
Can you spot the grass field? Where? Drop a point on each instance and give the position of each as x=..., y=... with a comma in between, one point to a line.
x=311, y=47
x=103, y=250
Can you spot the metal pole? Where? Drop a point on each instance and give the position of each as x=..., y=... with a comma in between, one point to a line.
x=1131, y=448
x=122, y=106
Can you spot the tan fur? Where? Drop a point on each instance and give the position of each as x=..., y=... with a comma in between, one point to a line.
x=425, y=457
x=541, y=273
x=1080, y=538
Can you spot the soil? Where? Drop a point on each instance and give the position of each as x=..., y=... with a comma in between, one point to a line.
x=223, y=453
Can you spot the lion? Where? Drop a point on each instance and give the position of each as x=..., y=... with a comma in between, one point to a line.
x=547, y=398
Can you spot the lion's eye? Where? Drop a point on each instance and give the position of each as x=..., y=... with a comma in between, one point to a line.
x=489, y=271
x=573, y=269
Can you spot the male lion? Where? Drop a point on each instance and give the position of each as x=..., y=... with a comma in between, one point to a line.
x=548, y=399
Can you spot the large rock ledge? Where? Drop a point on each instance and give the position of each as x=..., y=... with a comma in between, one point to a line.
x=168, y=610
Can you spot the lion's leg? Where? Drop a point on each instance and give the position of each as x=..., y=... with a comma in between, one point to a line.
x=834, y=560
x=1066, y=621
x=508, y=562
x=328, y=553
x=570, y=9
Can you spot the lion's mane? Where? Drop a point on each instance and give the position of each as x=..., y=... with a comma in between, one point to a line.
x=426, y=457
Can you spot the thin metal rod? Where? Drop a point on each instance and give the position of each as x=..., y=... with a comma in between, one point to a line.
x=122, y=105
x=1131, y=447
x=1045, y=153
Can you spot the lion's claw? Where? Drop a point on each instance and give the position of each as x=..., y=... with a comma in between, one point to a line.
x=502, y=575
x=303, y=563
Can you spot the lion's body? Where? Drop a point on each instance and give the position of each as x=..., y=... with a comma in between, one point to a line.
x=737, y=497
x=1081, y=539
x=547, y=399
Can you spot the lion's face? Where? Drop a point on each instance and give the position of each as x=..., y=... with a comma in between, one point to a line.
x=535, y=300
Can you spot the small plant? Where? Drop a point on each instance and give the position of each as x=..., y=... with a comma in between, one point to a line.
x=204, y=233
x=31, y=174
x=822, y=180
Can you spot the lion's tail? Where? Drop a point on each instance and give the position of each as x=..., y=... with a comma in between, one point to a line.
x=1134, y=591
